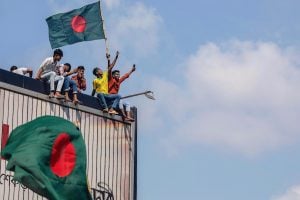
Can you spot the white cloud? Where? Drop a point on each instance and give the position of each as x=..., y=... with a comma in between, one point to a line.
x=135, y=27
x=112, y=3
x=291, y=194
x=242, y=96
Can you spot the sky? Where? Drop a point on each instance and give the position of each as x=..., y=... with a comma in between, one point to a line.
x=226, y=78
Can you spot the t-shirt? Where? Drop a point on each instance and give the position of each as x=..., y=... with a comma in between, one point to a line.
x=49, y=65
x=21, y=70
x=100, y=85
x=60, y=70
x=114, y=85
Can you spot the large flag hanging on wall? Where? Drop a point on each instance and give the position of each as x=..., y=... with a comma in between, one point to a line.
x=48, y=156
x=83, y=24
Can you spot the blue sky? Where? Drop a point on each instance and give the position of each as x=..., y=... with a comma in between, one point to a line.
x=226, y=77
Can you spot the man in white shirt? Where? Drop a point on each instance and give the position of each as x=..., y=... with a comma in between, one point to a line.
x=21, y=70
x=47, y=71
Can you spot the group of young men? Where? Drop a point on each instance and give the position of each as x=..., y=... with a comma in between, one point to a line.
x=106, y=85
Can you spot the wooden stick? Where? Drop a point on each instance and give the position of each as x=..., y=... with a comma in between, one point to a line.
x=104, y=30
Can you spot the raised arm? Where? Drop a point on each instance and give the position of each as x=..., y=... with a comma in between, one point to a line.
x=111, y=65
x=132, y=69
x=73, y=71
x=125, y=76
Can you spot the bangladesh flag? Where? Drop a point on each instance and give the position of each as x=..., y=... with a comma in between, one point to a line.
x=83, y=24
x=48, y=156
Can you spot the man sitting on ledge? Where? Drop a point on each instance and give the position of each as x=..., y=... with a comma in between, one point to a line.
x=100, y=88
x=47, y=72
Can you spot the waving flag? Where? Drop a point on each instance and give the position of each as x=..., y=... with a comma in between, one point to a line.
x=48, y=156
x=83, y=24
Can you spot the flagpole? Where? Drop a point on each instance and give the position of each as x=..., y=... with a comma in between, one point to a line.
x=104, y=30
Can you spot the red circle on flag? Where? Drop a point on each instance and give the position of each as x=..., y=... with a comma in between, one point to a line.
x=63, y=156
x=78, y=23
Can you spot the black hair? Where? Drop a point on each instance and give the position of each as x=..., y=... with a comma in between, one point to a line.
x=69, y=65
x=115, y=71
x=95, y=71
x=81, y=67
x=12, y=68
x=58, y=52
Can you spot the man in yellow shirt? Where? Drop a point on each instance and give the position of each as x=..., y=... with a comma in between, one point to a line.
x=100, y=86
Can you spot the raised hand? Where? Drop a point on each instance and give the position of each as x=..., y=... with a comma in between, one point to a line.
x=133, y=68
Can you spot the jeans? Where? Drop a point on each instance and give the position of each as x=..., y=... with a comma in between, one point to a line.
x=52, y=77
x=108, y=99
x=69, y=83
x=125, y=104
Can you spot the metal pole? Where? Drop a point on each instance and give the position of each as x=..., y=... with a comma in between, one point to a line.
x=137, y=94
x=135, y=154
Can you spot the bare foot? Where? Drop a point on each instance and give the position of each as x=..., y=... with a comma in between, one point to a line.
x=112, y=111
x=51, y=95
x=58, y=95
x=76, y=101
x=129, y=119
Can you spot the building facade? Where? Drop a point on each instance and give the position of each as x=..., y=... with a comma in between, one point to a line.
x=111, y=143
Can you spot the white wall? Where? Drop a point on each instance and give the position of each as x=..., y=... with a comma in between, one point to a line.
x=110, y=143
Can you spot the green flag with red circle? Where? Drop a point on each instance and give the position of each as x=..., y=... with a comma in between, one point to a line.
x=48, y=155
x=83, y=24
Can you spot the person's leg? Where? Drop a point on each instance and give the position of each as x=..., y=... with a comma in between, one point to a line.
x=102, y=101
x=73, y=86
x=60, y=82
x=121, y=108
x=128, y=112
x=49, y=76
x=115, y=99
x=75, y=99
x=66, y=88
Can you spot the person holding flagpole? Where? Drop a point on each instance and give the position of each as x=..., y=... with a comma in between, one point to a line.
x=100, y=87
